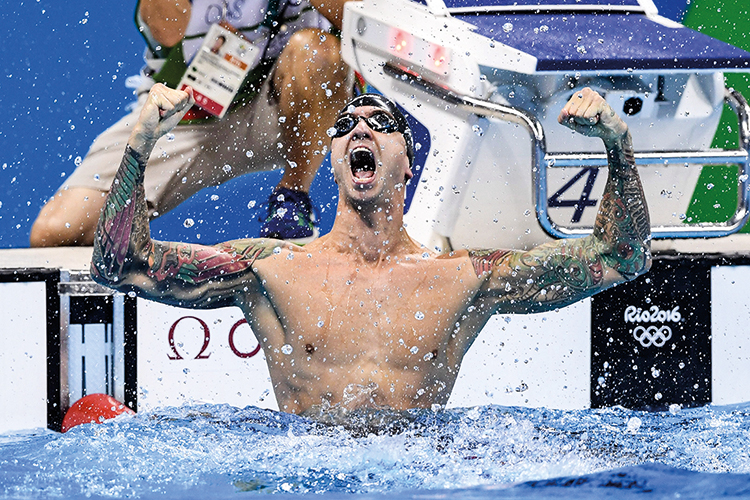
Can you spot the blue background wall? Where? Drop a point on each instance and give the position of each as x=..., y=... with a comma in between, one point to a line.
x=64, y=65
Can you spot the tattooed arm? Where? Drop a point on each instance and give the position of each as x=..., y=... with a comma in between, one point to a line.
x=127, y=259
x=559, y=273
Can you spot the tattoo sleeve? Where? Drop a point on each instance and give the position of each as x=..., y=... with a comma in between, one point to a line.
x=622, y=223
x=125, y=257
x=120, y=218
x=559, y=273
x=196, y=264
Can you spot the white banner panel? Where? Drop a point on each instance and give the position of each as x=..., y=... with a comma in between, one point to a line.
x=730, y=341
x=188, y=355
x=23, y=357
x=531, y=360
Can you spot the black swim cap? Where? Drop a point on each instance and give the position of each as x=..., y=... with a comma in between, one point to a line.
x=382, y=102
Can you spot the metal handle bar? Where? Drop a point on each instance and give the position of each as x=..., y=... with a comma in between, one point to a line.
x=541, y=160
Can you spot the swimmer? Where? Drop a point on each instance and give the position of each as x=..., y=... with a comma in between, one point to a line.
x=366, y=317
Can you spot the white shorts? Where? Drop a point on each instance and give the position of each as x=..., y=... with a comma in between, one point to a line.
x=194, y=156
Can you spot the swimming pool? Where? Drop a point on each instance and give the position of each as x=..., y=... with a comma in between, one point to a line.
x=218, y=451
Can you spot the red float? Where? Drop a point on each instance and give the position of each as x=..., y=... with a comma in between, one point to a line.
x=93, y=409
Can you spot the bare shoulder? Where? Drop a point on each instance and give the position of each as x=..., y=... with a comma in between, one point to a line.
x=477, y=262
x=196, y=264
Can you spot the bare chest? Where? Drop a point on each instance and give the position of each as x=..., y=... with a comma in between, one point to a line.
x=369, y=309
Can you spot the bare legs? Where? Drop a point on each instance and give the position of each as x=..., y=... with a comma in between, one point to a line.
x=310, y=84
x=68, y=219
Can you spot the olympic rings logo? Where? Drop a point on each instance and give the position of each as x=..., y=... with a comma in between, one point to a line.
x=652, y=335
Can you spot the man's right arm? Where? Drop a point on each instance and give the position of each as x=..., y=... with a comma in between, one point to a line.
x=127, y=259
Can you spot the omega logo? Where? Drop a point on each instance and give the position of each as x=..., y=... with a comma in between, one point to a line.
x=202, y=354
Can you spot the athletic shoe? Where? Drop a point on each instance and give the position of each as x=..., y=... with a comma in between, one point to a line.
x=290, y=217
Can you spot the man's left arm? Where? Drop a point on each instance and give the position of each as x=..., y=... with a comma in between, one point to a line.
x=562, y=272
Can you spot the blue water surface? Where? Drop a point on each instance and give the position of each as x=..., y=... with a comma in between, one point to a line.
x=218, y=452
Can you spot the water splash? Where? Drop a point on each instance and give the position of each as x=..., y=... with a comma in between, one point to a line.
x=216, y=451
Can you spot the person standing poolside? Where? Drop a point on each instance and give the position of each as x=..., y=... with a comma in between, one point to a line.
x=366, y=317
x=278, y=116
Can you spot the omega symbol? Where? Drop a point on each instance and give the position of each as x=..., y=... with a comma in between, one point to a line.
x=652, y=335
x=206, y=339
x=175, y=355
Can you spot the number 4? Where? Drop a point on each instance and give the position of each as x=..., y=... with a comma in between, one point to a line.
x=581, y=203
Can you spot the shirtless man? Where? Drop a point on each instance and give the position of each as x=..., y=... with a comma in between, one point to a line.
x=365, y=317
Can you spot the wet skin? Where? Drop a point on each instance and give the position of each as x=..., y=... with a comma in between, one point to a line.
x=365, y=316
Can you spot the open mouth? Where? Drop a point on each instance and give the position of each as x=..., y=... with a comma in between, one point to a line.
x=362, y=163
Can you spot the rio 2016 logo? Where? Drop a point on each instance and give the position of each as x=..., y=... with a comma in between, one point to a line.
x=652, y=335
x=652, y=315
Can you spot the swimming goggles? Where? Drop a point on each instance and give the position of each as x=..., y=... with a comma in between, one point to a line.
x=380, y=121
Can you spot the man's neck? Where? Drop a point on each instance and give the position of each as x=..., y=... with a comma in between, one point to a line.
x=372, y=232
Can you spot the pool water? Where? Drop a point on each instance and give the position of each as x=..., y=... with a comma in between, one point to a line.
x=218, y=451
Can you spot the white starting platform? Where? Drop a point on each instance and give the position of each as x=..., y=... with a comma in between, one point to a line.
x=488, y=78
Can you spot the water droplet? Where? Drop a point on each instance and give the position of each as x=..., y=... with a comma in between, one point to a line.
x=414, y=350
x=331, y=132
x=544, y=28
x=170, y=137
x=227, y=168
x=282, y=119
x=478, y=130
x=277, y=250
x=251, y=204
x=419, y=315
x=320, y=324
x=508, y=27
x=188, y=222
x=657, y=396
x=249, y=153
x=709, y=186
x=186, y=370
x=214, y=197
x=286, y=349
x=78, y=161
x=131, y=294
x=634, y=424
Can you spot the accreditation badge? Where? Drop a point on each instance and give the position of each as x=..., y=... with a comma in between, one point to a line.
x=219, y=68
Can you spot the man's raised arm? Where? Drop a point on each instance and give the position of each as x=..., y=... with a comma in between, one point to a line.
x=127, y=259
x=559, y=273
